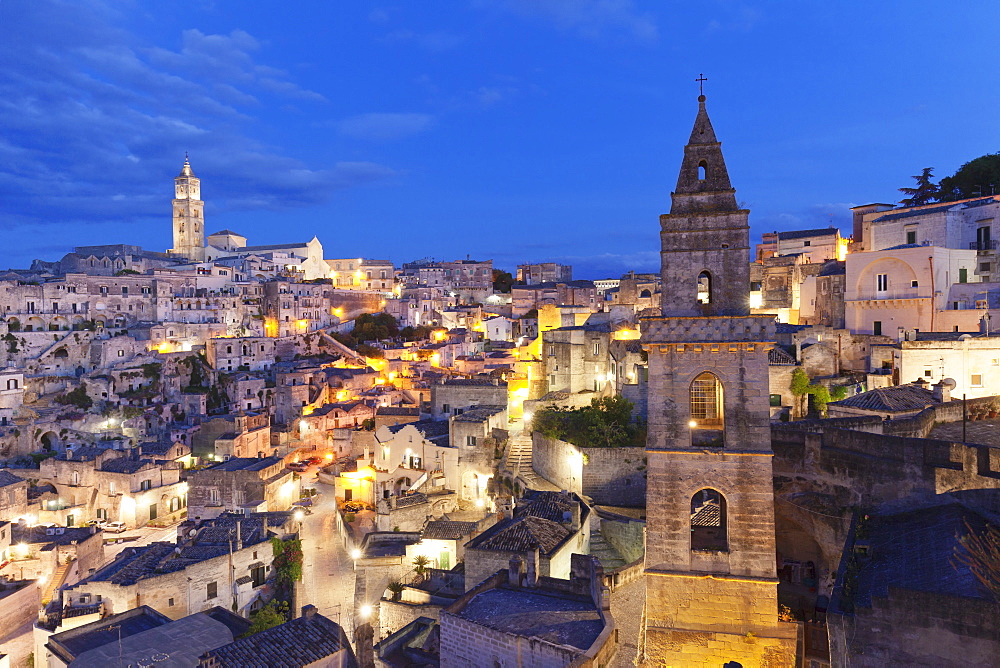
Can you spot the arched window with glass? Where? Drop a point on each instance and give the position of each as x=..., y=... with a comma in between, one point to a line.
x=706, y=403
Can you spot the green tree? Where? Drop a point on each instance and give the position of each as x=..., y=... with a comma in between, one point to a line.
x=368, y=327
x=821, y=397
x=287, y=561
x=924, y=193
x=421, y=565
x=502, y=280
x=976, y=178
x=273, y=614
x=799, y=387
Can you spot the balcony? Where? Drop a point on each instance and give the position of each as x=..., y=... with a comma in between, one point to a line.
x=982, y=246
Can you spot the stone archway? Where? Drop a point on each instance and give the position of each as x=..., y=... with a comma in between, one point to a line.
x=49, y=441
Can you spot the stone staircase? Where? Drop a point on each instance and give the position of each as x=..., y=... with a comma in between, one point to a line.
x=605, y=553
x=518, y=463
x=57, y=579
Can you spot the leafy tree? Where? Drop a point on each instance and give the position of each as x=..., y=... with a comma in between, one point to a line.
x=77, y=397
x=396, y=588
x=976, y=178
x=821, y=397
x=273, y=614
x=502, y=280
x=287, y=561
x=925, y=192
x=799, y=386
x=126, y=272
x=607, y=422
x=368, y=327
x=838, y=393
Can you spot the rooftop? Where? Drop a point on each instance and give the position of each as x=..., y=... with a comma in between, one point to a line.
x=896, y=398
x=479, y=413
x=933, y=208
x=8, y=478
x=553, y=618
x=915, y=550
x=802, y=234
x=448, y=530
x=245, y=464
x=522, y=534
x=303, y=641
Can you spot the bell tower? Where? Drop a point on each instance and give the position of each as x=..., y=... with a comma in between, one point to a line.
x=711, y=581
x=189, y=218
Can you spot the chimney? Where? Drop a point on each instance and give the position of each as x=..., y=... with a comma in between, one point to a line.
x=531, y=575
x=941, y=392
x=309, y=611
x=514, y=571
x=239, y=534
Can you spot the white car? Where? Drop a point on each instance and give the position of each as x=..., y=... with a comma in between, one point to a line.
x=115, y=527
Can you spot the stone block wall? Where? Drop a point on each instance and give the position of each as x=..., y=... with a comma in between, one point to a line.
x=465, y=644
x=19, y=603
x=916, y=628
x=609, y=476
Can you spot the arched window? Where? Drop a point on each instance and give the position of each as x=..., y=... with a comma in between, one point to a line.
x=702, y=170
x=706, y=411
x=12, y=384
x=708, y=521
x=704, y=288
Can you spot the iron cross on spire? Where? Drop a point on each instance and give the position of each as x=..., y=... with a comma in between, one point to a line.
x=701, y=83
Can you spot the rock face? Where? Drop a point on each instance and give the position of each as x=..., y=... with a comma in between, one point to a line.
x=711, y=585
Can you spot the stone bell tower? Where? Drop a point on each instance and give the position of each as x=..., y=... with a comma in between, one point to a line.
x=189, y=217
x=711, y=585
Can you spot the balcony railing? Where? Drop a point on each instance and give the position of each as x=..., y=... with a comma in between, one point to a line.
x=988, y=245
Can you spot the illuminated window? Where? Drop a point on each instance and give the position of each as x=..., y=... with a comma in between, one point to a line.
x=704, y=288
x=706, y=411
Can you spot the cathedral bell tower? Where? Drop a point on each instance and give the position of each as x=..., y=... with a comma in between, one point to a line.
x=189, y=218
x=711, y=585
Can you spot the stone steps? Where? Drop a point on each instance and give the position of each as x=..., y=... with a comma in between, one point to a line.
x=605, y=553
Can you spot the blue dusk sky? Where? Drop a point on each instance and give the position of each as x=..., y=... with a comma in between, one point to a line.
x=518, y=130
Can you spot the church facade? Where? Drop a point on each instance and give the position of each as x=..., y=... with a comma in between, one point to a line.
x=711, y=581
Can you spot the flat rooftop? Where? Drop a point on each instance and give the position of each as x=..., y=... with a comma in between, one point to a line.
x=550, y=617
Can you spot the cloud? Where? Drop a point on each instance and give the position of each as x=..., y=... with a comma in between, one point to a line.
x=383, y=127
x=590, y=19
x=96, y=119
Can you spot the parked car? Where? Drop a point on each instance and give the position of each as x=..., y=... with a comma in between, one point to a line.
x=99, y=523
x=297, y=466
x=312, y=461
x=115, y=527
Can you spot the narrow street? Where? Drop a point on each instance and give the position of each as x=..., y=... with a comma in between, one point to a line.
x=327, y=568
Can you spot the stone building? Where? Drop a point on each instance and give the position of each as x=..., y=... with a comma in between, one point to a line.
x=225, y=561
x=547, y=529
x=453, y=396
x=242, y=434
x=709, y=586
x=578, y=358
x=570, y=622
x=815, y=245
x=104, y=483
x=558, y=293
x=543, y=272
x=242, y=484
x=13, y=497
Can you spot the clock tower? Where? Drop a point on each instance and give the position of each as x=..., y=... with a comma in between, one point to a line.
x=189, y=218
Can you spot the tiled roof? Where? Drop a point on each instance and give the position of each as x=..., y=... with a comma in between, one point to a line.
x=473, y=382
x=479, y=413
x=521, y=535
x=302, y=641
x=552, y=506
x=833, y=268
x=245, y=464
x=778, y=357
x=890, y=399
x=125, y=465
x=398, y=410
x=447, y=530
x=8, y=478
x=802, y=234
x=431, y=429
x=414, y=499
x=707, y=515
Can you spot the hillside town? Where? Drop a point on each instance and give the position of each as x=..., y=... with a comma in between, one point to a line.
x=297, y=455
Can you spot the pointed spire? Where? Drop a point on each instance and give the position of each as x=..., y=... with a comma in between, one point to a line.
x=186, y=169
x=703, y=183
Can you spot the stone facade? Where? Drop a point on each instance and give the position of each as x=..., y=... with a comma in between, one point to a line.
x=608, y=476
x=711, y=597
x=258, y=484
